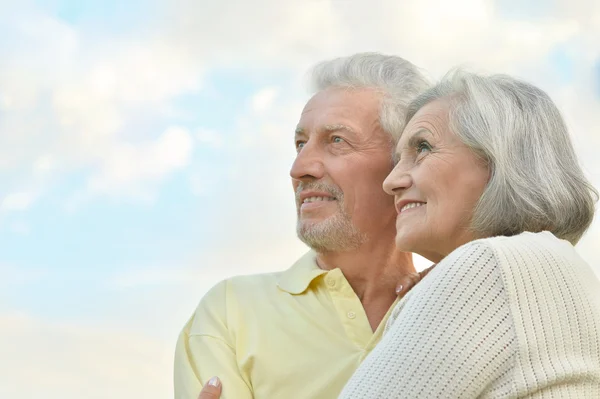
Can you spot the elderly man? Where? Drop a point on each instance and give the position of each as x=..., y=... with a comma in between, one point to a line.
x=301, y=333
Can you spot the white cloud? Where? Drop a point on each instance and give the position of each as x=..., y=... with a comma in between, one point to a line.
x=20, y=228
x=17, y=201
x=263, y=100
x=209, y=137
x=126, y=168
x=147, y=276
x=11, y=275
x=71, y=101
x=58, y=360
x=431, y=33
x=201, y=182
x=43, y=165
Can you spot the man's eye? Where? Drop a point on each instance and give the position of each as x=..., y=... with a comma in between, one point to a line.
x=337, y=139
x=300, y=144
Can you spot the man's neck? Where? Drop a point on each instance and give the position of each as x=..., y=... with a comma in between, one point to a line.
x=373, y=270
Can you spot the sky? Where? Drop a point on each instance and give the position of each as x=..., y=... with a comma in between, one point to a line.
x=145, y=149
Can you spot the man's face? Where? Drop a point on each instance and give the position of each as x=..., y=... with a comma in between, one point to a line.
x=343, y=158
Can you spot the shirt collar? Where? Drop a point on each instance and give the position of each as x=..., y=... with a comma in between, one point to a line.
x=297, y=278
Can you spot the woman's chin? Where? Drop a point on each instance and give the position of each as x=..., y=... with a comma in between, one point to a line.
x=405, y=243
x=413, y=243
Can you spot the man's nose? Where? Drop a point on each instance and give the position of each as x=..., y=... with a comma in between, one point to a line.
x=397, y=181
x=308, y=164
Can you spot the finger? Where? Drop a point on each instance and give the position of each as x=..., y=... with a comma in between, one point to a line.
x=406, y=283
x=211, y=390
x=425, y=272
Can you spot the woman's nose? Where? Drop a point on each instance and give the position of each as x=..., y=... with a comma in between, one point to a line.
x=398, y=180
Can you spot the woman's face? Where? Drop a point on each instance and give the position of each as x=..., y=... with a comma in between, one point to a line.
x=436, y=184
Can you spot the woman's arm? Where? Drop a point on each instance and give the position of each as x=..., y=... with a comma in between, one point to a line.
x=454, y=337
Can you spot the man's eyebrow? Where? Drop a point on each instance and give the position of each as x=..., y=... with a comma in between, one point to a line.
x=327, y=129
x=337, y=127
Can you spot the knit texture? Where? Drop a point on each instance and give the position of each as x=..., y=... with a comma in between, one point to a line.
x=503, y=317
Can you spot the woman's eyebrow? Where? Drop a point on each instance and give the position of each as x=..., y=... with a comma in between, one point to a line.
x=413, y=141
x=418, y=136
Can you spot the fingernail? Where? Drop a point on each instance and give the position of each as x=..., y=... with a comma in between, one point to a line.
x=214, y=382
x=399, y=289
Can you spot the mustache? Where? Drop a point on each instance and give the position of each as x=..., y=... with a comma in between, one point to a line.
x=320, y=186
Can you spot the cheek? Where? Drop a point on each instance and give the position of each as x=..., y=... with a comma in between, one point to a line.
x=434, y=183
x=364, y=182
x=464, y=194
x=451, y=191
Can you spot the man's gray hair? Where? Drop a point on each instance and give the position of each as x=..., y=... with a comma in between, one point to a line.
x=398, y=80
x=536, y=182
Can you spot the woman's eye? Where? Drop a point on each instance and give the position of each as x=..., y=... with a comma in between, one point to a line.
x=423, y=146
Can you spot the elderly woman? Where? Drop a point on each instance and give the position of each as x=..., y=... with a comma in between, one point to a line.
x=487, y=185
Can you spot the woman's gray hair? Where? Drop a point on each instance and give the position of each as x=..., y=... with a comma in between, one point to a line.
x=536, y=182
x=397, y=79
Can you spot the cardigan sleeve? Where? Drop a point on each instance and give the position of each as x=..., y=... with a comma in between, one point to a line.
x=453, y=337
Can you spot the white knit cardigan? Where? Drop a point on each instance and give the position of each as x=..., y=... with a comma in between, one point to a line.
x=503, y=317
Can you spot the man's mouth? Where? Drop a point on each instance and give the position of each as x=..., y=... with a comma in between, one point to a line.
x=317, y=199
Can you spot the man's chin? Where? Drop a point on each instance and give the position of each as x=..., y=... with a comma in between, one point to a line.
x=328, y=237
x=312, y=232
x=318, y=244
x=314, y=224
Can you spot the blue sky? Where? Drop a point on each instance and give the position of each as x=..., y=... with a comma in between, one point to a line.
x=145, y=149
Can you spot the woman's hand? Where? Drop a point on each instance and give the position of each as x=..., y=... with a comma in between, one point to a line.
x=410, y=280
x=211, y=390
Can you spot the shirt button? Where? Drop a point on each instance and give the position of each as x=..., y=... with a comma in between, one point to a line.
x=351, y=315
x=331, y=283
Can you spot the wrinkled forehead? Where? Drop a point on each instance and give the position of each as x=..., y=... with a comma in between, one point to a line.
x=432, y=118
x=356, y=109
x=346, y=101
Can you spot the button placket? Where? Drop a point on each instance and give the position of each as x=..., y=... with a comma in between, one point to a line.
x=349, y=308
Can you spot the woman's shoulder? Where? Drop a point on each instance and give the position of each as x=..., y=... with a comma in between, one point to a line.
x=532, y=250
x=526, y=262
x=523, y=242
x=542, y=249
x=540, y=267
x=525, y=239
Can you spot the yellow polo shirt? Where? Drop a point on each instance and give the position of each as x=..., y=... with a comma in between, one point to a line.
x=300, y=334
